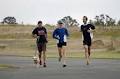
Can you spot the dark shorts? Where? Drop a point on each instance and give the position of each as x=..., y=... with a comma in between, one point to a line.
x=62, y=44
x=41, y=47
x=87, y=42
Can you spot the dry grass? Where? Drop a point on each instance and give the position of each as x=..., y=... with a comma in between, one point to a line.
x=17, y=40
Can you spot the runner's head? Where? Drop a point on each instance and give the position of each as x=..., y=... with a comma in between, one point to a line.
x=60, y=23
x=39, y=23
x=85, y=19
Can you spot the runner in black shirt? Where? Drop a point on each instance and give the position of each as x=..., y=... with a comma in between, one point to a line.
x=40, y=33
x=86, y=29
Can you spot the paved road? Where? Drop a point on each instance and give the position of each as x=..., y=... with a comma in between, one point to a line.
x=76, y=69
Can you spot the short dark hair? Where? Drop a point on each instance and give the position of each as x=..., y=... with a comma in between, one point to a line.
x=85, y=17
x=39, y=22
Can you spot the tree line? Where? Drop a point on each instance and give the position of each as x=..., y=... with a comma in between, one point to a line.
x=99, y=20
x=104, y=20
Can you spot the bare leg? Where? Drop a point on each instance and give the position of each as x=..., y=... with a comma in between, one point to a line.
x=60, y=53
x=89, y=50
x=44, y=58
x=40, y=60
x=64, y=56
x=86, y=54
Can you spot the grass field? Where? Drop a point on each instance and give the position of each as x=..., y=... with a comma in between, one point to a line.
x=18, y=41
x=5, y=66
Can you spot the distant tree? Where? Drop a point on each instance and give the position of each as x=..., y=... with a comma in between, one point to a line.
x=49, y=25
x=97, y=20
x=118, y=23
x=91, y=21
x=110, y=21
x=69, y=21
x=9, y=20
x=103, y=20
x=100, y=20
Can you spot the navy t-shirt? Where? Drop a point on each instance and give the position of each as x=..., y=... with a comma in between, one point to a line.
x=85, y=28
x=41, y=32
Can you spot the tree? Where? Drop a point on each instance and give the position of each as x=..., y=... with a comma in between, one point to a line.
x=110, y=21
x=103, y=20
x=69, y=21
x=118, y=23
x=9, y=20
x=97, y=22
x=91, y=21
x=100, y=20
x=49, y=25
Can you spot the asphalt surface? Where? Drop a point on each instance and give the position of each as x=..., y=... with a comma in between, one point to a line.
x=76, y=69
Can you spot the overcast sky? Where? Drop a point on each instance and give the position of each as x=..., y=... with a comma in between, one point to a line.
x=49, y=11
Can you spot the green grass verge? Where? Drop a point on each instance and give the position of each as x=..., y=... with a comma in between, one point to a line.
x=106, y=54
x=5, y=66
x=100, y=55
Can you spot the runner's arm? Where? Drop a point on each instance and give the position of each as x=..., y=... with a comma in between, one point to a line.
x=46, y=36
x=55, y=36
x=34, y=33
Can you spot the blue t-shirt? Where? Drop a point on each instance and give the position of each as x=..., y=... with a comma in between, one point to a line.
x=60, y=34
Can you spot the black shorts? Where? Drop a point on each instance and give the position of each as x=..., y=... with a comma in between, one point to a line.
x=62, y=44
x=41, y=47
x=87, y=42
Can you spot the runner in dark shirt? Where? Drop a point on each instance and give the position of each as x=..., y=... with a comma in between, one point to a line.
x=40, y=33
x=86, y=29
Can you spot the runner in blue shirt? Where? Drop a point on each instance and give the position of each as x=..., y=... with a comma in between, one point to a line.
x=61, y=34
